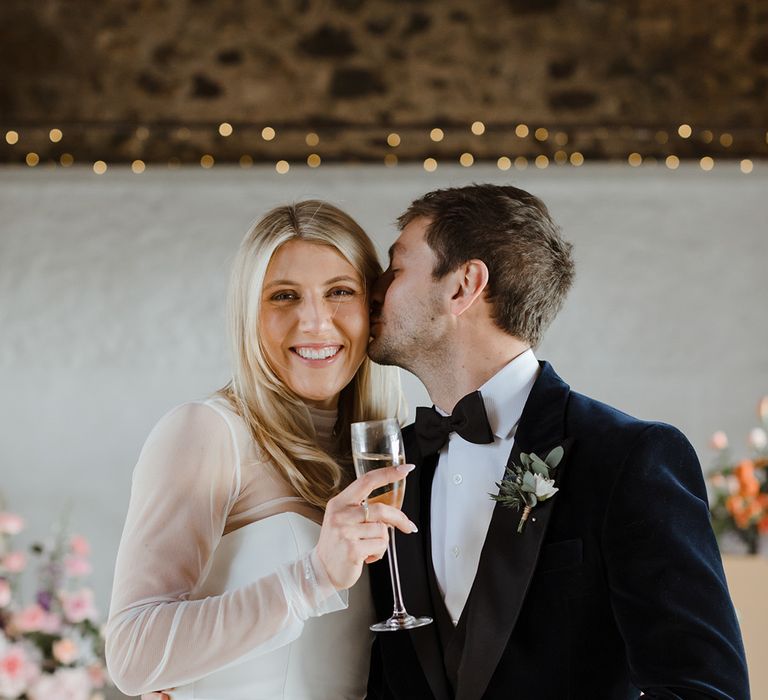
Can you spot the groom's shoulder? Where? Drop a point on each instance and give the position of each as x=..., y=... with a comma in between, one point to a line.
x=606, y=424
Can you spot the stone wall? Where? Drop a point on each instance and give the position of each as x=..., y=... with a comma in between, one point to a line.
x=154, y=79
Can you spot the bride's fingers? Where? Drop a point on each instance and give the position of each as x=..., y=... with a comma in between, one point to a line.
x=369, y=531
x=389, y=515
x=376, y=478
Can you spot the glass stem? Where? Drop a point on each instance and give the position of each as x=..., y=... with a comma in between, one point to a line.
x=394, y=574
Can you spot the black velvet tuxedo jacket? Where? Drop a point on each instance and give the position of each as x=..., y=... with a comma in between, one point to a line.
x=615, y=585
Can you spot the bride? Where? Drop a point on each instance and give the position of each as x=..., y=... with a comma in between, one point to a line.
x=244, y=534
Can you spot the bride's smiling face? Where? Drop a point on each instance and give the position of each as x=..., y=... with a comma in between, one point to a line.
x=314, y=320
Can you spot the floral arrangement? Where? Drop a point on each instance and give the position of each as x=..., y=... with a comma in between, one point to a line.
x=50, y=649
x=527, y=484
x=740, y=489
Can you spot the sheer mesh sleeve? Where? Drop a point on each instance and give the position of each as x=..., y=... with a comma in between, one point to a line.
x=184, y=484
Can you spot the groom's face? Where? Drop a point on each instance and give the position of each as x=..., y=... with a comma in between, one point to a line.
x=407, y=309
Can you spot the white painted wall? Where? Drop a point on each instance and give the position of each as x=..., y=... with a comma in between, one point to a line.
x=112, y=305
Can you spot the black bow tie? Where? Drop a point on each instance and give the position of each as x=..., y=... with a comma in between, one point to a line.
x=469, y=420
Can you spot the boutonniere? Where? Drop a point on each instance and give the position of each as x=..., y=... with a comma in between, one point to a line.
x=527, y=484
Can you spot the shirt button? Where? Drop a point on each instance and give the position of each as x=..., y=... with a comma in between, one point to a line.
x=455, y=551
x=457, y=478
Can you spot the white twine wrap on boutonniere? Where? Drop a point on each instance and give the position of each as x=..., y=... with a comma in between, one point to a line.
x=527, y=484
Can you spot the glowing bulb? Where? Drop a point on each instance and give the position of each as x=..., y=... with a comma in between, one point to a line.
x=541, y=161
x=707, y=163
x=55, y=135
x=225, y=129
x=282, y=167
x=246, y=161
x=521, y=163
x=577, y=159
x=503, y=163
x=746, y=166
x=561, y=157
x=393, y=140
x=635, y=159
x=672, y=162
x=521, y=131
x=99, y=167
x=313, y=160
x=541, y=134
x=138, y=166
x=12, y=137
x=561, y=138
x=312, y=139
x=32, y=159
x=430, y=165
x=268, y=133
x=684, y=130
x=466, y=159
x=478, y=128
x=66, y=160
x=726, y=140
x=390, y=160
x=436, y=134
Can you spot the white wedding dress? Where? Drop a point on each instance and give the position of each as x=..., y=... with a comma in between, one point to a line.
x=218, y=592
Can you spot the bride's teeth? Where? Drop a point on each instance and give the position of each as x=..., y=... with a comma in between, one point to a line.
x=311, y=354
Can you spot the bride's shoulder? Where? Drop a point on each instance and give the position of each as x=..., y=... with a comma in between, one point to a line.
x=202, y=421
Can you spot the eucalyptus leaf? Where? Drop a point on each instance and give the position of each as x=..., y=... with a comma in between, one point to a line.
x=554, y=457
x=529, y=483
x=531, y=500
x=539, y=466
x=525, y=459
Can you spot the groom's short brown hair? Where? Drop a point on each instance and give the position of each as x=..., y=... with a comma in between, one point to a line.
x=529, y=263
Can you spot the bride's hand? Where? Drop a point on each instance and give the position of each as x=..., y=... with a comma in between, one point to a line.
x=347, y=538
x=156, y=696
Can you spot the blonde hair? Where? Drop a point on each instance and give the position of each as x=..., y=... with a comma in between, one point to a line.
x=278, y=420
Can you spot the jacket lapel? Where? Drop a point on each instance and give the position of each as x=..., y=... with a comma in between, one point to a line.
x=412, y=553
x=508, y=559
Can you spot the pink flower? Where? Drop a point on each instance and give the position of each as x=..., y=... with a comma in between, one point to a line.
x=758, y=439
x=79, y=546
x=5, y=592
x=762, y=409
x=97, y=675
x=10, y=523
x=51, y=624
x=15, y=562
x=63, y=684
x=77, y=567
x=78, y=606
x=718, y=441
x=65, y=651
x=30, y=619
x=17, y=671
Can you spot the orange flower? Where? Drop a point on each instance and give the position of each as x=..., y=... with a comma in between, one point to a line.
x=749, y=486
x=762, y=526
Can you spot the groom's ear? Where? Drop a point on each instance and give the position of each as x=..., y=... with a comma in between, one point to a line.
x=469, y=282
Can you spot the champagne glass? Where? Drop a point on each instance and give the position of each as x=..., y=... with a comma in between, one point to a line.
x=377, y=444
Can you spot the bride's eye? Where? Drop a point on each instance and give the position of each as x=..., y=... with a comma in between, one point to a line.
x=284, y=296
x=341, y=293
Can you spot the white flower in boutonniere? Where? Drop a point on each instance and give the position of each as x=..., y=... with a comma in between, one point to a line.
x=527, y=484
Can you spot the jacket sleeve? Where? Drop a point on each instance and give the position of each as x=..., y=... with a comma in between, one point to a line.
x=184, y=485
x=668, y=589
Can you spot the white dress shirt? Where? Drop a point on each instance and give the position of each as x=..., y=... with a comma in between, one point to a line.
x=466, y=475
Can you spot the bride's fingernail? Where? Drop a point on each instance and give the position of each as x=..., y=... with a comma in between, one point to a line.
x=414, y=528
x=405, y=468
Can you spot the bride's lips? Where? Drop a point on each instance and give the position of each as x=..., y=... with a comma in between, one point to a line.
x=317, y=348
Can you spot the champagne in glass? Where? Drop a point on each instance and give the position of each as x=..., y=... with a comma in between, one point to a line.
x=377, y=444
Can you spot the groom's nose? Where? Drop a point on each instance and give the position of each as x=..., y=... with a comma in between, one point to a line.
x=379, y=291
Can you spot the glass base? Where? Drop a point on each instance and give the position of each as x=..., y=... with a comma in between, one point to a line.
x=401, y=622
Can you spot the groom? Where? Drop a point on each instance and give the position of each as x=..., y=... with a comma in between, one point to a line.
x=612, y=584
